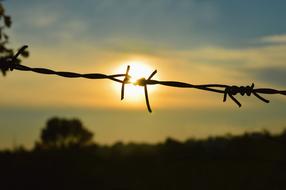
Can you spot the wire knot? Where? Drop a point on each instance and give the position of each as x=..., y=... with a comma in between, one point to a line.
x=231, y=91
x=11, y=62
x=140, y=82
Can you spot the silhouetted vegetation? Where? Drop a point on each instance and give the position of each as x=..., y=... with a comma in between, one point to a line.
x=63, y=133
x=6, y=53
x=249, y=161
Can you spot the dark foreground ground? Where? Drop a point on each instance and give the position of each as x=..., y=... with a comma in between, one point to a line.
x=252, y=161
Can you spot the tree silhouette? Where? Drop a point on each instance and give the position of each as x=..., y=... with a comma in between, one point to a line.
x=6, y=53
x=64, y=133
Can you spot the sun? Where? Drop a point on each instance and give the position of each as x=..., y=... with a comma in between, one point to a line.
x=138, y=70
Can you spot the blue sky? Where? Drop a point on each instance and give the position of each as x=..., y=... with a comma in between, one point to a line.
x=197, y=41
x=184, y=23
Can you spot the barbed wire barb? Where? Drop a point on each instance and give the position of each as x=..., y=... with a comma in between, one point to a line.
x=231, y=91
x=125, y=81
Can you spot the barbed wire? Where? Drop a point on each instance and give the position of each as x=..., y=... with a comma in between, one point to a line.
x=227, y=90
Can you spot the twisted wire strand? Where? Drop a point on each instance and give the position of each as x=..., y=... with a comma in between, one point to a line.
x=227, y=90
x=69, y=74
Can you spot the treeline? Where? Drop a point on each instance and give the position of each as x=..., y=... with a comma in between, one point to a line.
x=248, y=161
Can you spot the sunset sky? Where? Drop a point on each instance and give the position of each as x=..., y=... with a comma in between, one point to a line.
x=195, y=41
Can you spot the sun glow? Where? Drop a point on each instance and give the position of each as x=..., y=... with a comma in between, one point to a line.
x=138, y=70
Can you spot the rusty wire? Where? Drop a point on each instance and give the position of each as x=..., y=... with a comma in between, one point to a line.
x=226, y=90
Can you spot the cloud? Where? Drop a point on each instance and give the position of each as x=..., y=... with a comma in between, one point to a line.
x=275, y=39
x=273, y=75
